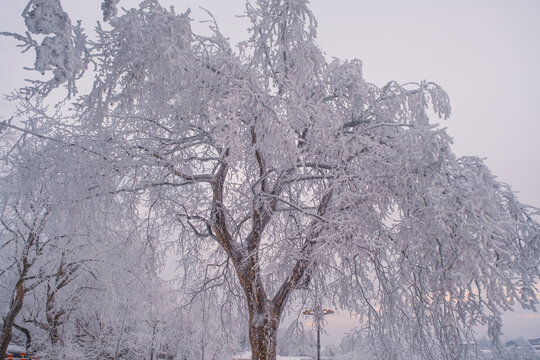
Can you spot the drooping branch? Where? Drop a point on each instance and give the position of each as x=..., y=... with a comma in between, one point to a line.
x=299, y=275
x=49, y=138
x=26, y=333
x=219, y=213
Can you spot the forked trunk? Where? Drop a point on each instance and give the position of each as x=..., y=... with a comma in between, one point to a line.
x=53, y=316
x=262, y=336
x=9, y=319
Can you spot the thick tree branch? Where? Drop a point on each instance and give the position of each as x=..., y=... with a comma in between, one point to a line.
x=299, y=273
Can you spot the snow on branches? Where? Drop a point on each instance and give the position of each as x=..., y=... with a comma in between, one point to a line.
x=109, y=9
x=62, y=51
x=286, y=177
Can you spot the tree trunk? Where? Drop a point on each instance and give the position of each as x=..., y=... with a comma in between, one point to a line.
x=262, y=335
x=26, y=333
x=53, y=316
x=9, y=319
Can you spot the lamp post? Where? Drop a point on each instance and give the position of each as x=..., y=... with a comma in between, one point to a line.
x=154, y=323
x=318, y=314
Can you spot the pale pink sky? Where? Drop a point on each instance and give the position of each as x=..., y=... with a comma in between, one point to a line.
x=485, y=53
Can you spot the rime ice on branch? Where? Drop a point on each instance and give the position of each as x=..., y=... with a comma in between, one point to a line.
x=287, y=177
x=62, y=51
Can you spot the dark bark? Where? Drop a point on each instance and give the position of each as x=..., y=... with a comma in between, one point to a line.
x=262, y=335
x=53, y=316
x=63, y=276
x=14, y=309
x=26, y=333
x=20, y=289
x=264, y=312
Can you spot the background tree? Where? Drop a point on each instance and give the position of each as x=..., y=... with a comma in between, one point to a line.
x=57, y=268
x=296, y=340
x=27, y=231
x=294, y=173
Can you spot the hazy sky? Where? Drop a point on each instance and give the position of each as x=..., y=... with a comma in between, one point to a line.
x=485, y=54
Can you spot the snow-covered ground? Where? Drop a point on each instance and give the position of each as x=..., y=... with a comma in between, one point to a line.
x=15, y=349
x=247, y=356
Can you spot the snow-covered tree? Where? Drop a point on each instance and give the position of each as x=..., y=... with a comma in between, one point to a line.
x=296, y=340
x=286, y=174
x=63, y=248
x=28, y=231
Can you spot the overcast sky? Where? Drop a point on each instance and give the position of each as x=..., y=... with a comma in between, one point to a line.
x=485, y=54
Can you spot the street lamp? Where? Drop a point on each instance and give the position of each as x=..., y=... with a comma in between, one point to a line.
x=154, y=322
x=318, y=315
